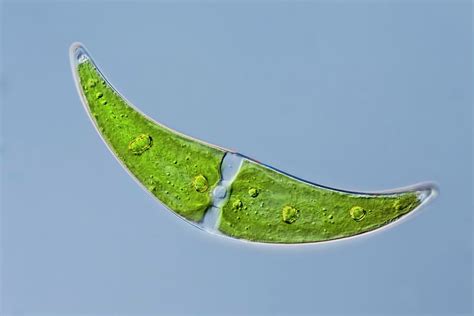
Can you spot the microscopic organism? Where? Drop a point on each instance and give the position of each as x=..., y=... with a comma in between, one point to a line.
x=222, y=191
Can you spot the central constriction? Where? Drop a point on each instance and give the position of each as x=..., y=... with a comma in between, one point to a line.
x=223, y=191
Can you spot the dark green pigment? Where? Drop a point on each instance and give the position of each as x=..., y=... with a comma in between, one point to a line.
x=287, y=210
x=179, y=171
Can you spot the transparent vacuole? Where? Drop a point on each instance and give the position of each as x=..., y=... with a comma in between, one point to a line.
x=226, y=193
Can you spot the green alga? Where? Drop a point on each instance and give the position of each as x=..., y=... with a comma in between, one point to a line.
x=258, y=204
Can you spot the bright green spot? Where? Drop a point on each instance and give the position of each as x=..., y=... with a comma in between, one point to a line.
x=253, y=192
x=140, y=144
x=357, y=213
x=150, y=151
x=324, y=214
x=200, y=183
x=91, y=83
x=289, y=214
x=237, y=205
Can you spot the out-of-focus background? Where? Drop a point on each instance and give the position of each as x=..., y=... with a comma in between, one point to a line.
x=357, y=95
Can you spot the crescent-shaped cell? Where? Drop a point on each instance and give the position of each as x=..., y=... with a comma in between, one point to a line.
x=224, y=192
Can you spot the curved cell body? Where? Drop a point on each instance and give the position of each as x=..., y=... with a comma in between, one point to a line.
x=179, y=171
x=224, y=192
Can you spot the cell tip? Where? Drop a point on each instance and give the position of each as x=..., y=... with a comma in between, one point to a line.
x=427, y=191
x=77, y=53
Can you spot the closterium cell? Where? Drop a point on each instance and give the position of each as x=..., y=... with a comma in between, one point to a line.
x=253, y=201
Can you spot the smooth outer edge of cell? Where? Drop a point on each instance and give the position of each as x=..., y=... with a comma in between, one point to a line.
x=79, y=54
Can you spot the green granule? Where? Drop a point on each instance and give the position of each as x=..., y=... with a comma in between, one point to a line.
x=179, y=171
x=287, y=210
x=140, y=144
x=289, y=214
x=200, y=183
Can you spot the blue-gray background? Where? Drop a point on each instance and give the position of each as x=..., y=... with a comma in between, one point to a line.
x=359, y=95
